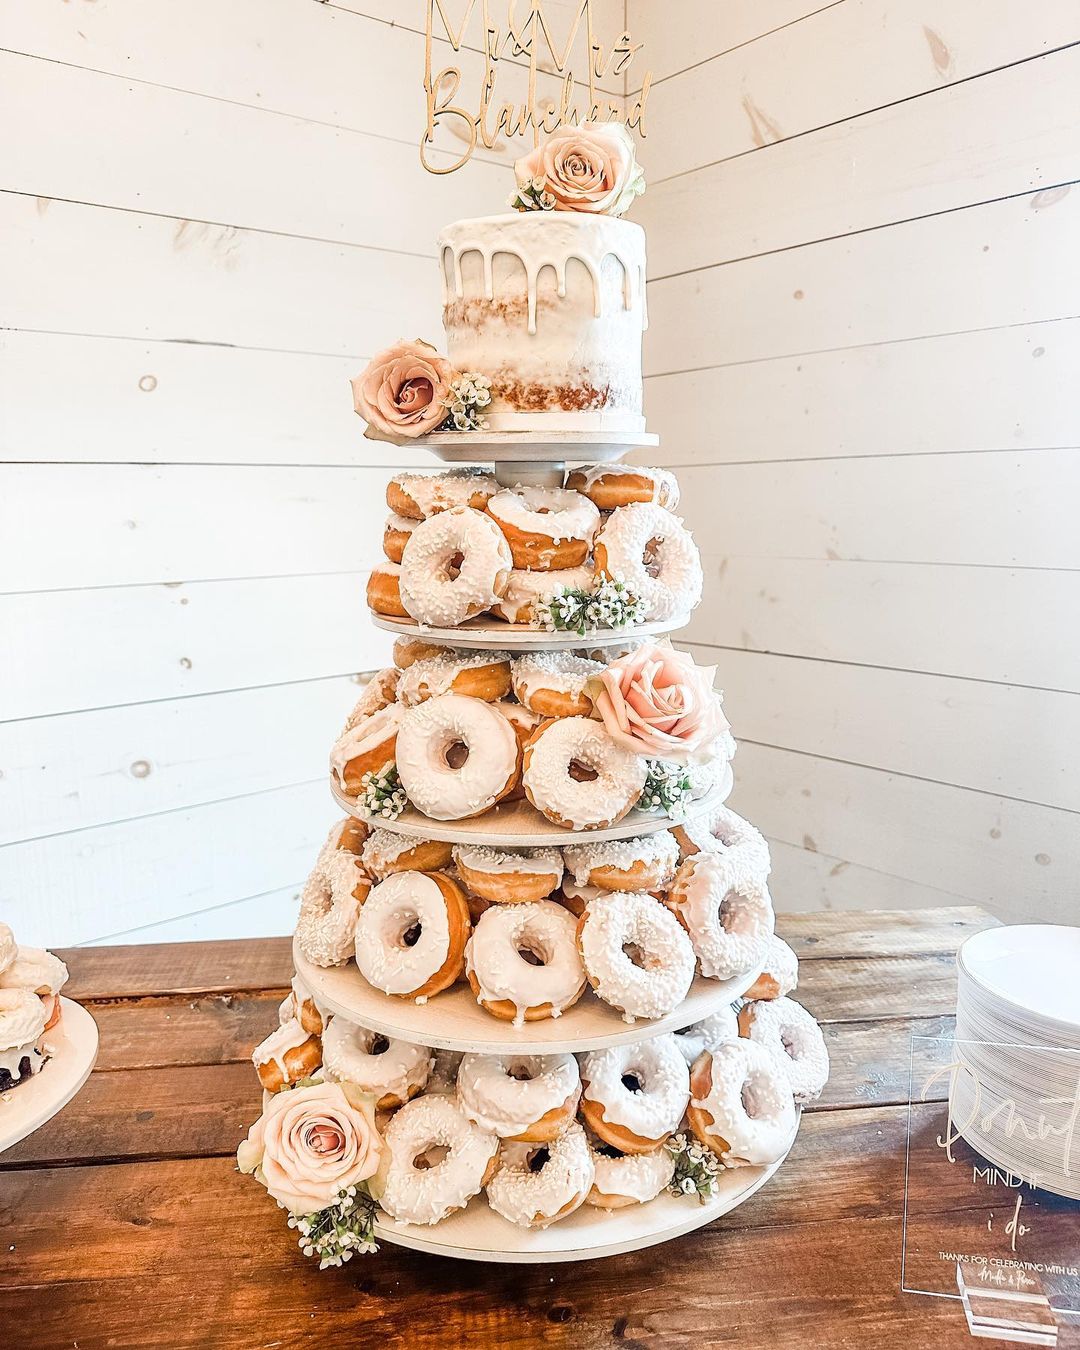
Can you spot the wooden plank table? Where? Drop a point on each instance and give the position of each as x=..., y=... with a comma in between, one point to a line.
x=125, y=1222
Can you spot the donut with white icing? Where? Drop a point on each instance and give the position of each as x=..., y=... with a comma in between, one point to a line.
x=780, y=973
x=380, y=690
x=43, y=974
x=396, y=533
x=329, y=907
x=645, y=864
x=634, y=1096
x=456, y=1159
x=713, y=776
x=418, y=495
x=384, y=591
x=554, y=684
x=305, y=1007
x=509, y=876
x=8, y=947
x=538, y=1184
x=561, y=754
x=22, y=1026
x=529, y=592
x=522, y=962
x=368, y=747
x=392, y=1071
x=529, y=1099
x=548, y=529
x=385, y=853
x=728, y=914
x=456, y=757
x=725, y=832
x=524, y=721
x=622, y=1179
x=455, y=565
x=636, y=955
x=653, y=553
x=410, y=649
x=411, y=935
x=787, y=1030
x=576, y=897
x=345, y=836
x=610, y=486
x=741, y=1105
x=479, y=674
x=707, y=1034
x=286, y=1056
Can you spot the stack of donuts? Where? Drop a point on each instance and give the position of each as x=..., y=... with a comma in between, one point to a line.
x=469, y=729
x=532, y=929
x=30, y=1007
x=543, y=1135
x=458, y=545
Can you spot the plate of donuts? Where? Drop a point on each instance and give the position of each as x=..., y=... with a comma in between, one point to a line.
x=72, y=1047
x=489, y=632
x=454, y=1020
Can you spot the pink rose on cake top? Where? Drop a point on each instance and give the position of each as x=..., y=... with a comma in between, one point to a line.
x=589, y=168
x=403, y=391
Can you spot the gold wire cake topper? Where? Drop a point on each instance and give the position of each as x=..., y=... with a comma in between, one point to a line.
x=540, y=114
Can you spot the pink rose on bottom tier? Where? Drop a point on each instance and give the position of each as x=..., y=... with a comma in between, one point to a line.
x=310, y=1143
x=658, y=702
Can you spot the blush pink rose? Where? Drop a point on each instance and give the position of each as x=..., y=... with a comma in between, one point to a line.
x=587, y=168
x=401, y=393
x=311, y=1142
x=657, y=702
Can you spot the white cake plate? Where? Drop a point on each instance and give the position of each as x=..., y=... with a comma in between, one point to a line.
x=521, y=637
x=477, y=1233
x=27, y=1106
x=520, y=825
x=533, y=446
x=453, y=1020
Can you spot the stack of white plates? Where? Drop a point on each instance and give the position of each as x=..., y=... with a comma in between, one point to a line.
x=1016, y=1090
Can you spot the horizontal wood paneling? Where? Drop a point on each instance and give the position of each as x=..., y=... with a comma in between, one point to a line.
x=972, y=269
x=836, y=66
x=172, y=641
x=966, y=391
x=804, y=881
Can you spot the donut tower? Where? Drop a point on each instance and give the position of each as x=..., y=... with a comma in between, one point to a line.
x=538, y=939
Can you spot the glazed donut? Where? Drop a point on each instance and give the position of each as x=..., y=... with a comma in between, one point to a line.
x=524, y=722
x=788, y=1031
x=329, y=907
x=411, y=935
x=509, y=876
x=553, y=755
x=576, y=897
x=304, y=1006
x=652, y=552
x=529, y=1099
x=548, y=529
x=527, y=592
x=384, y=591
x=636, y=956
x=644, y=864
x=715, y=775
x=369, y=747
x=707, y=1034
x=396, y=534
x=741, y=1105
x=455, y=566
x=417, y=495
x=22, y=1026
x=554, y=683
x=483, y=675
x=623, y=1179
x=456, y=757
x=722, y=831
x=522, y=963
x=9, y=948
x=286, y=1056
x=456, y=1159
x=43, y=974
x=346, y=836
x=380, y=690
x=386, y=852
x=780, y=974
x=538, y=1184
x=392, y=1071
x=610, y=486
x=635, y=1096
x=727, y=913
x=408, y=650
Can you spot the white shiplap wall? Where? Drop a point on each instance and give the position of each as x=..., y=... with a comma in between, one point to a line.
x=211, y=215
x=865, y=303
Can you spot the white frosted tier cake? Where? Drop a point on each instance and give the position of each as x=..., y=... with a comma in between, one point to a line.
x=551, y=307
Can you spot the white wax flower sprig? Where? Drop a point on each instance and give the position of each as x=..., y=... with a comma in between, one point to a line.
x=610, y=605
x=341, y=1231
x=667, y=789
x=381, y=794
x=697, y=1169
x=469, y=395
x=532, y=195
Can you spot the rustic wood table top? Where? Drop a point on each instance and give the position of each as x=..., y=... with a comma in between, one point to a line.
x=125, y=1223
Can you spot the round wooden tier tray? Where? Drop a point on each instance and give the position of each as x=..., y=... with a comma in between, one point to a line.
x=520, y=825
x=519, y=637
x=25, y=1107
x=455, y=1021
x=477, y=1233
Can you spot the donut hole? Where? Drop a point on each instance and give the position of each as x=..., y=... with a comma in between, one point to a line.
x=451, y=569
x=651, y=559
x=632, y=1081
x=732, y=915
x=787, y=1040
x=538, y=1159
x=455, y=755
x=430, y=1157
x=409, y=930
x=637, y=956
x=521, y=1073
x=532, y=952
x=609, y=1151
x=375, y=1043
x=581, y=772
x=751, y=1097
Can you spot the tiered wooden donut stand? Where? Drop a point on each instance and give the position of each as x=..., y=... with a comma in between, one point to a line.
x=454, y=1020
